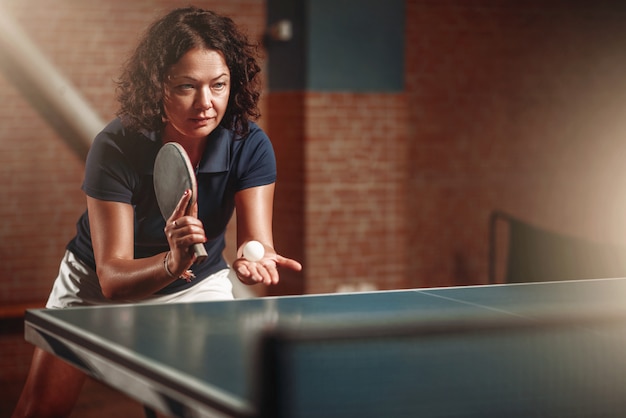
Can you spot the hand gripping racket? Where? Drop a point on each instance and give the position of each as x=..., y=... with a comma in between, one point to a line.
x=173, y=174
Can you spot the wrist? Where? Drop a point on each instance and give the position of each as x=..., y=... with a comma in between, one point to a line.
x=186, y=275
x=166, y=262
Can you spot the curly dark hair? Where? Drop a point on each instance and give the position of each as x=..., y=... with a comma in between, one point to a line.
x=140, y=86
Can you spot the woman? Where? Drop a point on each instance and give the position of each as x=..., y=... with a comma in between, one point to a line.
x=192, y=80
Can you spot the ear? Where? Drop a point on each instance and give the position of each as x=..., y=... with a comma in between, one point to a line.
x=163, y=115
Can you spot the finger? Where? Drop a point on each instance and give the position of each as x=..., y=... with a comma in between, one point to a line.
x=273, y=273
x=240, y=267
x=268, y=272
x=245, y=275
x=187, y=241
x=288, y=263
x=181, y=207
x=193, y=210
x=179, y=228
x=264, y=272
x=188, y=236
x=255, y=273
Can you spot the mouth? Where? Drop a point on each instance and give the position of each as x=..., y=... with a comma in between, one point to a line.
x=201, y=119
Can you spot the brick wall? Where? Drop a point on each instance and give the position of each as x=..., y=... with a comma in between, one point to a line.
x=355, y=191
x=286, y=122
x=516, y=106
x=341, y=191
x=508, y=105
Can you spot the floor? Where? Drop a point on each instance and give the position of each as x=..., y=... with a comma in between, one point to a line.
x=96, y=401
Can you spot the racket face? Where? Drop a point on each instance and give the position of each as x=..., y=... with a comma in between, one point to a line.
x=173, y=174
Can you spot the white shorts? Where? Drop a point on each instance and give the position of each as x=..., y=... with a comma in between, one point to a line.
x=78, y=285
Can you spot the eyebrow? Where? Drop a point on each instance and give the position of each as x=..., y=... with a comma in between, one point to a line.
x=188, y=77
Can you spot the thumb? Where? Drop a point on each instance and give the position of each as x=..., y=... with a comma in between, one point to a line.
x=288, y=263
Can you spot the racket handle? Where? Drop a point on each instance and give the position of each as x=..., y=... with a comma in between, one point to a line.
x=200, y=252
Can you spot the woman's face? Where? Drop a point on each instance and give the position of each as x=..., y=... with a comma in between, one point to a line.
x=195, y=94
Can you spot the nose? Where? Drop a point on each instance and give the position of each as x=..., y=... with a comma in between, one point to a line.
x=204, y=99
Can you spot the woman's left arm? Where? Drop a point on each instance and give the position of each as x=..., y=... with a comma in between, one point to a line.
x=254, y=208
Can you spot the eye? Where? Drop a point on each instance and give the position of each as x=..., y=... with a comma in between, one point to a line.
x=184, y=87
x=220, y=85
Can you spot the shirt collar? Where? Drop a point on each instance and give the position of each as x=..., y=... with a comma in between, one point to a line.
x=216, y=157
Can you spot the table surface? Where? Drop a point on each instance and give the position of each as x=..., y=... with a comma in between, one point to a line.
x=536, y=349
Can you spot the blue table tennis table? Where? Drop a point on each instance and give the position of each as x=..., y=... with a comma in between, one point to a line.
x=554, y=349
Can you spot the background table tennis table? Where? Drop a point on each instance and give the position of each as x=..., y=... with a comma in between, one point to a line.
x=555, y=349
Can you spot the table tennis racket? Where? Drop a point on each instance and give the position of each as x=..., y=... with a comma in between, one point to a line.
x=173, y=174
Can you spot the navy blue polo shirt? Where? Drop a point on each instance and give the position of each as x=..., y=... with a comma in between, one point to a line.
x=119, y=168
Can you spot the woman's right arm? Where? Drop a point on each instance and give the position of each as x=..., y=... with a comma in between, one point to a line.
x=121, y=276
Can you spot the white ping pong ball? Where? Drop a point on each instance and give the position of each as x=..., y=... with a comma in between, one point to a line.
x=253, y=251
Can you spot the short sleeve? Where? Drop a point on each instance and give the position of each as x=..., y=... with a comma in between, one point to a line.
x=115, y=163
x=257, y=163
